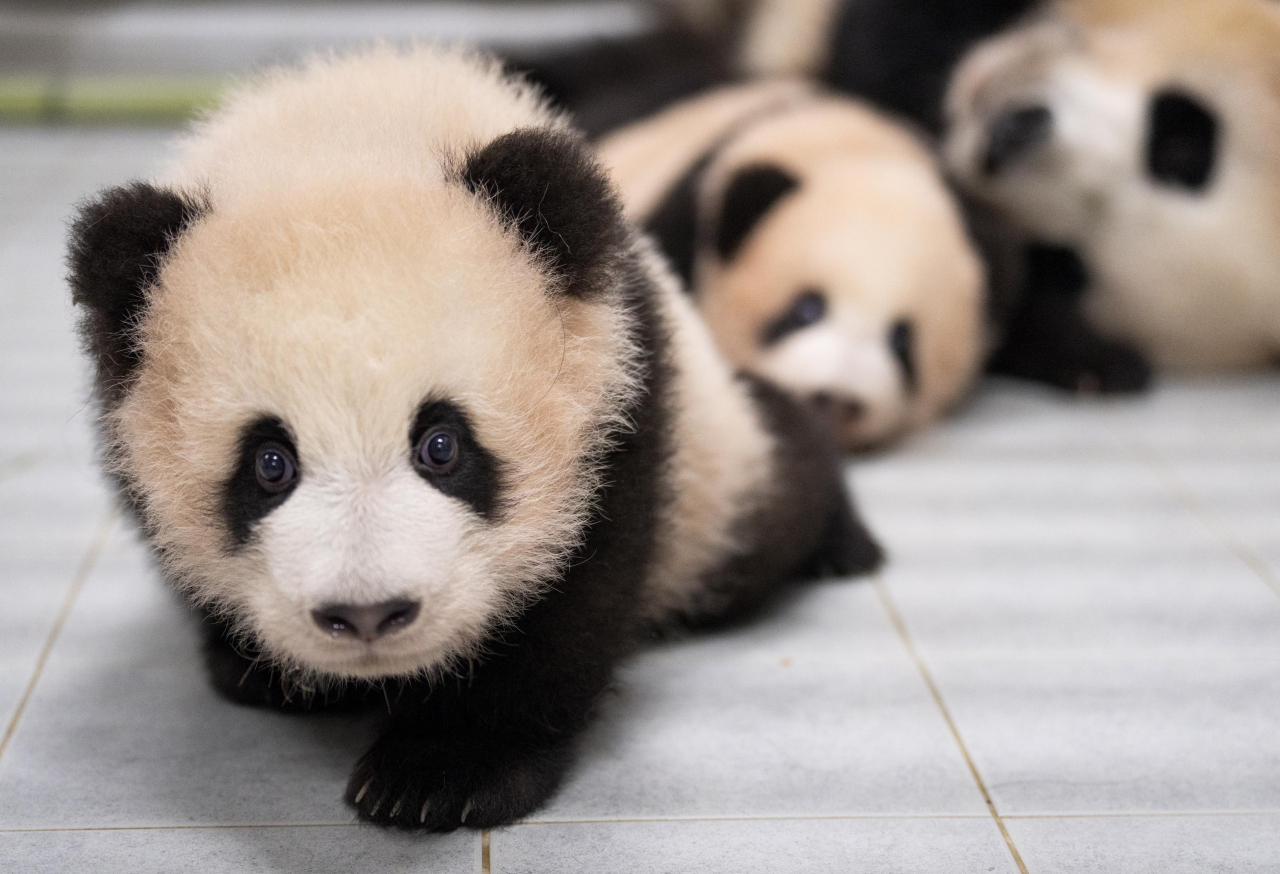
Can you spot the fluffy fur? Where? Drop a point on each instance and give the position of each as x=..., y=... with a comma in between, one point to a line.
x=348, y=258
x=763, y=193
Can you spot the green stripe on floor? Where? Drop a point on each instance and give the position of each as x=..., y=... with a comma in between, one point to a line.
x=105, y=100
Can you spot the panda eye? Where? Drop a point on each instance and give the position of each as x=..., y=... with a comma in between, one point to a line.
x=275, y=468
x=806, y=310
x=438, y=451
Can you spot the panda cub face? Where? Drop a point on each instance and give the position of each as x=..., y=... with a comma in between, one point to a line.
x=358, y=411
x=1082, y=120
x=840, y=271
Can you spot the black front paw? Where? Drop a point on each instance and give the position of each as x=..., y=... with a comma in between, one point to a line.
x=420, y=782
x=1109, y=368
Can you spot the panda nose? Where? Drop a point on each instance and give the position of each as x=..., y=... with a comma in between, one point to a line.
x=366, y=622
x=841, y=411
x=1013, y=133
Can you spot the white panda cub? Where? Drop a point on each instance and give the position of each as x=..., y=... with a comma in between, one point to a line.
x=1145, y=136
x=399, y=400
x=821, y=245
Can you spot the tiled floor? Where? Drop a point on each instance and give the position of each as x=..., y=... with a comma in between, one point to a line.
x=1072, y=664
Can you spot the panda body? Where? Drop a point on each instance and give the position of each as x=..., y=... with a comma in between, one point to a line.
x=397, y=396
x=772, y=198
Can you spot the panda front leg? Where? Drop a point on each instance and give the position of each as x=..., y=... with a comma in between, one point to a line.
x=1049, y=340
x=491, y=747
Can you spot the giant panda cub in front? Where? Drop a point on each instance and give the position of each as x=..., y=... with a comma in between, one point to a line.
x=820, y=243
x=401, y=401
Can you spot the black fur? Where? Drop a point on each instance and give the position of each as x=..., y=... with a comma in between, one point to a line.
x=900, y=54
x=244, y=502
x=117, y=243
x=1182, y=141
x=674, y=223
x=1049, y=340
x=608, y=83
x=495, y=744
x=808, y=527
x=546, y=186
x=477, y=479
x=750, y=196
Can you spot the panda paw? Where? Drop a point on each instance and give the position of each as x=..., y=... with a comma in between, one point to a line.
x=410, y=781
x=1111, y=368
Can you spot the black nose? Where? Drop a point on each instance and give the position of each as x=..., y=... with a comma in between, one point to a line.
x=841, y=411
x=366, y=622
x=1013, y=133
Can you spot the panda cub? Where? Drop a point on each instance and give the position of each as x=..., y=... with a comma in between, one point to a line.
x=821, y=246
x=404, y=407
x=1143, y=135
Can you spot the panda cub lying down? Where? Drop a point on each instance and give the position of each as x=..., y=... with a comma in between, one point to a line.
x=397, y=397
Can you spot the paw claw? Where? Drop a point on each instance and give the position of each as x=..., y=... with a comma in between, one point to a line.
x=395, y=810
x=422, y=816
x=465, y=811
x=363, y=791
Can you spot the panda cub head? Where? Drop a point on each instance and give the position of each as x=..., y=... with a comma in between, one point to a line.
x=827, y=256
x=358, y=404
x=1146, y=134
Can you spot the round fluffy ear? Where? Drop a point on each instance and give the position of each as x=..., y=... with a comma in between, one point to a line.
x=117, y=242
x=549, y=189
x=750, y=196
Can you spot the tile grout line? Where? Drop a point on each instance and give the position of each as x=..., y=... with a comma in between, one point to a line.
x=1165, y=814
x=900, y=626
x=485, y=839
x=1186, y=496
x=96, y=546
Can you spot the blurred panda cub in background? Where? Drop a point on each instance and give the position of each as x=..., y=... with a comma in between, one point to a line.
x=398, y=397
x=1134, y=144
x=1145, y=135
x=821, y=246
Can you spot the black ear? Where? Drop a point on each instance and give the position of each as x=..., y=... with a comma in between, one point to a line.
x=547, y=186
x=751, y=194
x=674, y=223
x=117, y=243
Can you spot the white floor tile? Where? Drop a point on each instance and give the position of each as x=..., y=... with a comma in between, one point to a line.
x=868, y=846
x=1113, y=735
x=820, y=724
x=1150, y=845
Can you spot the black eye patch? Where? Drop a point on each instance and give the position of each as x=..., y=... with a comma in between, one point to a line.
x=244, y=500
x=1182, y=141
x=751, y=195
x=473, y=475
x=902, y=343
x=807, y=310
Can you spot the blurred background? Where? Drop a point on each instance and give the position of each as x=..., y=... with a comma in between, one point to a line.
x=105, y=61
